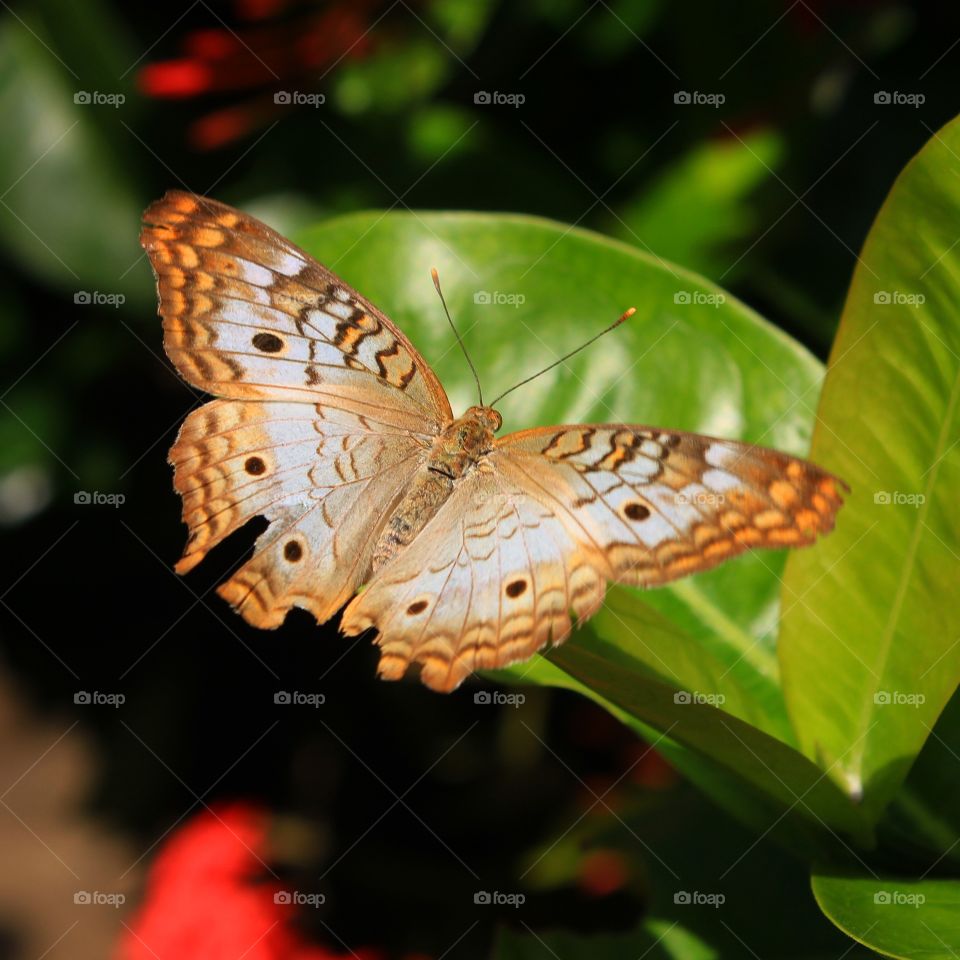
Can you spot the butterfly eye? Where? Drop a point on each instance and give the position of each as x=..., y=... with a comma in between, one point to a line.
x=515, y=588
x=636, y=511
x=417, y=607
x=267, y=342
x=255, y=466
x=292, y=551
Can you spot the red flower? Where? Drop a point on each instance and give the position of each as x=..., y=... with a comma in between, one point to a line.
x=286, y=50
x=206, y=897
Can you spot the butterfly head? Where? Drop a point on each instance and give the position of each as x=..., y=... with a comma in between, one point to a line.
x=486, y=416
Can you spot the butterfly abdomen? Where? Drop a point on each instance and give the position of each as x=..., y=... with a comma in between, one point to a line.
x=455, y=451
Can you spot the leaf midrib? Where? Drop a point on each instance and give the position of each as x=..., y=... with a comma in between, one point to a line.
x=883, y=652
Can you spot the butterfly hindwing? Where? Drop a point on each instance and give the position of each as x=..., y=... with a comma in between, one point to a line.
x=312, y=472
x=490, y=580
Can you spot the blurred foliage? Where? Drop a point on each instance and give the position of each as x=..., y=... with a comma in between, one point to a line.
x=770, y=194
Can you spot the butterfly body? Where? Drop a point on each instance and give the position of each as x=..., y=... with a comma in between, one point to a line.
x=455, y=451
x=464, y=550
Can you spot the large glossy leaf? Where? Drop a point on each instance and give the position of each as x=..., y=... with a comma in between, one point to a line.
x=869, y=642
x=63, y=151
x=912, y=919
x=524, y=291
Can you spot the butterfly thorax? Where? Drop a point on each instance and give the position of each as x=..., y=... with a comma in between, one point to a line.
x=454, y=452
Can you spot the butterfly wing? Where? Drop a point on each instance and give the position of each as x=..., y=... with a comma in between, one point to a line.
x=327, y=407
x=489, y=580
x=664, y=504
x=551, y=515
x=247, y=314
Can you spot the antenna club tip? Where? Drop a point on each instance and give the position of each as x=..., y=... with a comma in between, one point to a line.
x=627, y=314
x=436, y=277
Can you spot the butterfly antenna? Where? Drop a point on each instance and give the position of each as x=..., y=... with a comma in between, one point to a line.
x=436, y=283
x=626, y=315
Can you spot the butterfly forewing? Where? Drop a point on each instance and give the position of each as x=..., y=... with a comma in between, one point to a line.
x=249, y=315
x=664, y=504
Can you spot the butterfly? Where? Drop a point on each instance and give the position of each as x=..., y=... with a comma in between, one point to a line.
x=463, y=550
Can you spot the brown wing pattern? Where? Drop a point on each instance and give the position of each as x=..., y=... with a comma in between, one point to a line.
x=664, y=504
x=551, y=515
x=249, y=315
x=313, y=472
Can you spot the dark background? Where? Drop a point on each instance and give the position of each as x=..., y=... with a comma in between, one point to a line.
x=770, y=194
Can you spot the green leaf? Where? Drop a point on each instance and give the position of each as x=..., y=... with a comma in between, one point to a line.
x=63, y=151
x=698, y=208
x=869, y=637
x=653, y=940
x=523, y=291
x=913, y=919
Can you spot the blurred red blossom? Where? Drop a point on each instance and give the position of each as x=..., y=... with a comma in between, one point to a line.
x=283, y=46
x=210, y=896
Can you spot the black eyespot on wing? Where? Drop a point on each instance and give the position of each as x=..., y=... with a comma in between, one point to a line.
x=267, y=342
x=292, y=551
x=636, y=511
x=254, y=466
x=515, y=588
x=417, y=607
